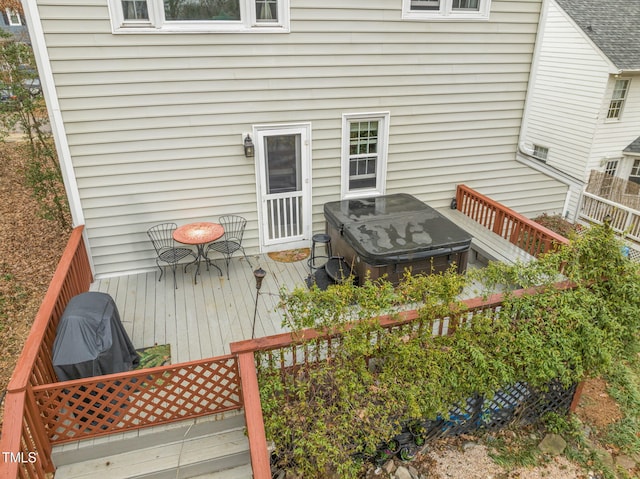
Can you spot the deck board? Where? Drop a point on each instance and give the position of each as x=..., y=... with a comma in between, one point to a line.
x=200, y=320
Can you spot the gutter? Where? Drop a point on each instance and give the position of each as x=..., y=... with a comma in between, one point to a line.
x=526, y=157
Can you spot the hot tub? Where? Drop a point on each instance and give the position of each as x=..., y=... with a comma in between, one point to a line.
x=391, y=233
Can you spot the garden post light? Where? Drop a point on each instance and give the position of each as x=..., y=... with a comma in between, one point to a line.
x=259, y=274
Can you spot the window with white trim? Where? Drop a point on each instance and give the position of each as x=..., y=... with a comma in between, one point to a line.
x=606, y=187
x=139, y=16
x=13, y=18
x=446, y=9
x=618, y=98
x=540, y=152
x=365, y=138
x=611, y=167
x=635, y=172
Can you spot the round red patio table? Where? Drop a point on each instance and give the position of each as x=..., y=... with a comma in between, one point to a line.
x=199, y=234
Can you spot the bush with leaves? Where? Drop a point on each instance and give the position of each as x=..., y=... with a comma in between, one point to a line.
x=326, y=417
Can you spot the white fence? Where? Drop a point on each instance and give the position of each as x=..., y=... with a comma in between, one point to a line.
x=624, y=220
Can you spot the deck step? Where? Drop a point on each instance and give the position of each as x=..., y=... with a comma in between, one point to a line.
x=242, y=472
x=200, y=449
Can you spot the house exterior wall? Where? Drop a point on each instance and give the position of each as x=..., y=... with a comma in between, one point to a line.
x=154, y=121
x=566, y=101
x=613, y=136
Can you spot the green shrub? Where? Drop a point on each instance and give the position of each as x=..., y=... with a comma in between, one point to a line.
x=325, y=417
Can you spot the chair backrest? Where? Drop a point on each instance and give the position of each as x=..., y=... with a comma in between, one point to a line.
x=233, y=227
x=162, y=236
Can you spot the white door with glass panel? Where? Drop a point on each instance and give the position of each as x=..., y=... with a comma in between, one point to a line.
x=283, y=165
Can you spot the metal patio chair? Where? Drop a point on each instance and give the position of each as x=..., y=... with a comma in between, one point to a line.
x=161, y=236
x=231, y=241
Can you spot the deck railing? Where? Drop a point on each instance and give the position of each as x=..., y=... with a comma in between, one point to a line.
x=289, y=350
x=40, y=412
x=623, y=219
x=97, y=406
x=24, y=444
x=526, y=234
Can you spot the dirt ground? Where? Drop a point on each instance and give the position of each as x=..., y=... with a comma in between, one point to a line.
x=30, y=248
x=29, y=251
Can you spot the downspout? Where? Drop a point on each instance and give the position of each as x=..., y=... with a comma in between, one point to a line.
x=523, y=149
x=41, y=54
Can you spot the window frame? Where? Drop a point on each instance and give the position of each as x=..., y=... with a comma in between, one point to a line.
x=383, y=119
x=13, y=13
x=157, y=24
x=446, y=12
x=635, y=166
x=621, y=101
x=537, y=150
x=611, y=166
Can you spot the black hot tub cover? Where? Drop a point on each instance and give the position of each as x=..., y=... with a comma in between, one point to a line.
x=395, y=228
x=90, y=340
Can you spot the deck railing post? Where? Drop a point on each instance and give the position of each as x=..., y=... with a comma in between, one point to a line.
x=576, y=397
x=260, y=462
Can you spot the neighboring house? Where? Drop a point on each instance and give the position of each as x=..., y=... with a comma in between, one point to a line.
x=583, y=110
x=151, y=104
x=12, y=22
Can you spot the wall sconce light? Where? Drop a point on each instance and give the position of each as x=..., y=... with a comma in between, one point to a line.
x=249, y=149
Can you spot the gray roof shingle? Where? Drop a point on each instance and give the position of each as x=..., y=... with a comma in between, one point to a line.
x=634, y=147
x=613, y=25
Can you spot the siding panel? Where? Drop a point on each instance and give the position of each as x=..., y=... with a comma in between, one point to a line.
x=154, y=121
x=567, y=94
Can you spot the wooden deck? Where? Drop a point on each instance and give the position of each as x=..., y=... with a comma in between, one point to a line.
x=200, y=320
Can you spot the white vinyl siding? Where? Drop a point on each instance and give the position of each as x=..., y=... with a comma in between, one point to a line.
x=567, y=94
x=154, y=122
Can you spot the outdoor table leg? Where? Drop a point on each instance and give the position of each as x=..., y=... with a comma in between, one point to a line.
x=201, y=255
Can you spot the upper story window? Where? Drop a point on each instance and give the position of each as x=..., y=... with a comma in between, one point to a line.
x=540, y=152
x=136, y=16
x=446, y=9
x=13, y=18
x=618, y=98
x=364, y=154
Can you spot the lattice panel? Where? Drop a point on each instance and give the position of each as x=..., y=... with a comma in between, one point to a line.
x=633, y=253
x=517, y=403
x=86, y=408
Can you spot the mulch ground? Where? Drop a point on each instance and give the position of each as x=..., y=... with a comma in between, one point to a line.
x=30, y=248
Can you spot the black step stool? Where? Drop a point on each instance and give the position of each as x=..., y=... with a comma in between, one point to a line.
x=320, y=238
